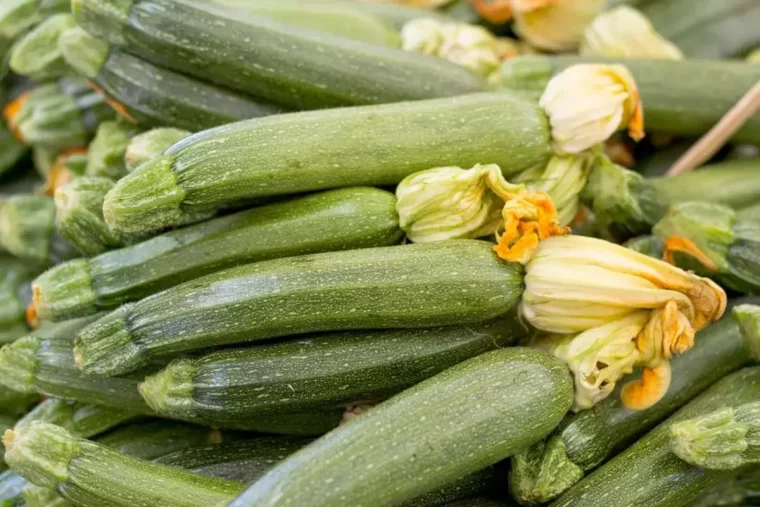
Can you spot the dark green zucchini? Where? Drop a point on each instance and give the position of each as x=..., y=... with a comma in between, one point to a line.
x=685, y=98
x=153, y=96
x=289, y=65
x=156, y=438
x=301, y=152
x=648, y=473
x=319, y=371
x=90, y=474
x=587, y=439
x=79, y=419
x=466, y=418
x=408, y=286
x=15, y=293
x=342, y=219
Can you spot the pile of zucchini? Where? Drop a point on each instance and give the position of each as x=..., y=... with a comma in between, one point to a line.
x=318, y=253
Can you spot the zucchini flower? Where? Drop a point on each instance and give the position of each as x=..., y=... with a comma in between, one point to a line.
x=587, y=103
x=470, y=46
x=37, y=54
x=624, y=32
x=725, y=439
x=554, y=25
x=621, y=309
x=494, y=11
x=150, y=144
x=710, y=239
x=450, y=203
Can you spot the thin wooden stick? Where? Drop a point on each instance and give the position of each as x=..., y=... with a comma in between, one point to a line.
x=711, y=142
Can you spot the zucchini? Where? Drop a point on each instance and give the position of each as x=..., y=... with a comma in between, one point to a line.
x=587, y=439
x=409, y=286
x=46, y=365
x=298, y=68
x=298, y=152
x=105, y=154
x=321, y=371
x=648, y=473
x=37, y=55
x=78, y=418
x=150, y=144
x=16, y=403
x=153, y=96
x=58, y=115
x=11, y=150
x=481, y=411
x=341, y=219
x=90, y=474
x=79, y=215
x=27, y=230
x=68, y=166
x=685, y=98
x=15, y=292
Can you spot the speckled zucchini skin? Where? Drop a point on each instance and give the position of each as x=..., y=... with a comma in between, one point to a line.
x=466, y=418
x=319, y=371
x=648, y=473
x=409, y=286
x=686, y=97
x=316, y=150
x=157, y=97
x=342, y=219
x=298, y=68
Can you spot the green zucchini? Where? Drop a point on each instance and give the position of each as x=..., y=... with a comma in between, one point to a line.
x=153, y=96
x=151, y=144
x=105, y=154
x=17, y=16
x=626, y=204
x=341, y=219
x=68, y=166
x=16, y=403
x=298, y=68
x=78, y=418
x=90, y=474
x=37, y=55
x=409, y=286
x=323, y=16
x=58, y=115
x=685, y=98
x=466, y=418
x=46, y=365
x=79, y=215
x=298, y=152
x=648, y=473
x=319, y=371
x=27, y=230
x=11, y=150
x=15, y=292
x=587, y=439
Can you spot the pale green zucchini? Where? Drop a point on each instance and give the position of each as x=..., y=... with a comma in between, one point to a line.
x=289, y=65
x=300, y=152
x=90, y=474
x=587, y=439
x=409, y=286
x=648, y=473
x=341, y=219
x=319, y=371
x=685, y=98
x=468, y=417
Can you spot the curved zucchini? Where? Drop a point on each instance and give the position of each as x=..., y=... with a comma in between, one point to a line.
x=320, y=371
x=409, y=286
x=480, y=412
x=301, y=152
x=587, y=439
x=648, y=473
x=298, y=68
x=153, y=96
x=342, y=219
x=686, y=97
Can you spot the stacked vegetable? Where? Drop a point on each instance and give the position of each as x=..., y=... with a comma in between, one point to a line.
x=330, y=252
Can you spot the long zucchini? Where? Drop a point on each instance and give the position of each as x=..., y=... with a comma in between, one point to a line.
x=322, y=371
x=341, y=219
x=409, y=286
x=295, y=67
x=587, y=439
x=685, y=97
x=153, y=96
x=15, y=292
x=300, y=152
x=468, y=417
x=90, y=474
x=648, y=473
